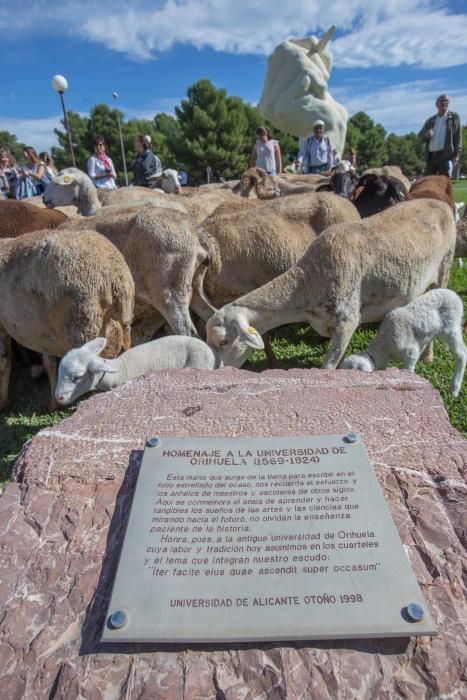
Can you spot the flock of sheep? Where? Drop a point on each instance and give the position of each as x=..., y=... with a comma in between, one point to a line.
x=103, y=271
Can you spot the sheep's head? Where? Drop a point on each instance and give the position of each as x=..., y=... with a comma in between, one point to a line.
x=362, y=361
x=250, y=179
x=81, y=370
x=64, y=188
x=229, y=332
x=375, y=193
x=167, y=181
x=342, y=182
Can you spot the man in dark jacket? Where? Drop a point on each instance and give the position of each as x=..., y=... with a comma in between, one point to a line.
x=443, y=136
x=146, y=164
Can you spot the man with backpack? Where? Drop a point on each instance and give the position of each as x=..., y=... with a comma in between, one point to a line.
x=316, y=153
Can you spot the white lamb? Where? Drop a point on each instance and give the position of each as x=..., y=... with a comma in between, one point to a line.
x=406, y=331
x=82, y=370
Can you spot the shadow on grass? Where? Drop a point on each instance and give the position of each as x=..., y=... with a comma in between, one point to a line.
x=26, y=414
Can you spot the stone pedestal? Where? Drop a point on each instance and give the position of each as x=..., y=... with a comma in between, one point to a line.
x=62, y=526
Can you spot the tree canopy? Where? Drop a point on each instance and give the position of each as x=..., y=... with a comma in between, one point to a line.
x=211, y=128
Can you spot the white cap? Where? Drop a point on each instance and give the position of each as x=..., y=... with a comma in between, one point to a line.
x=148, y=140
x=318, y=122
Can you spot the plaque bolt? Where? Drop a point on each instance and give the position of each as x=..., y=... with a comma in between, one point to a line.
x=414, y=612
x=117, y=620
x=351, y=437
x=153, y=442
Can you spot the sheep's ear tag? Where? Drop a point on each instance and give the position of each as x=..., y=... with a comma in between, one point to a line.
x=66, y=179
x=251, y=337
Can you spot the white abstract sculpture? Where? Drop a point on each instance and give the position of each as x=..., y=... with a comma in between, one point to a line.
x=296, y=92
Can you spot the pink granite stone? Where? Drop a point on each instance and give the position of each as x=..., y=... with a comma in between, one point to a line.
x=62, y=523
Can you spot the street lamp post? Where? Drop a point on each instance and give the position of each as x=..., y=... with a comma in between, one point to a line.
x=60, y=85
x=115, y=96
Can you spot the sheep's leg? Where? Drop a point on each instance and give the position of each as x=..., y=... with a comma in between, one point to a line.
x=427, y=355
x=339, y=342
x=175, y=310
x=410, y=360
x=199, y=295
x=5, y=366
x=455, y=343
x=50, y=365
x=199, y=306
x=272, y=359
x=443, y=281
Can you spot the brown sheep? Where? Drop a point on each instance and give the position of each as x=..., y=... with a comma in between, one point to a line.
x=433, y=187
x=17, y=218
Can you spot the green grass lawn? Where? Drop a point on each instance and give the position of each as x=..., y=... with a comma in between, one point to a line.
x=294, y=346
x=460, y=190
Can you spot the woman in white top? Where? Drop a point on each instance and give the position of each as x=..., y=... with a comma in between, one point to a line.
x=266, y=153
x=100, y=167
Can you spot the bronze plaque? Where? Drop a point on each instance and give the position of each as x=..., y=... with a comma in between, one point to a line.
x=259, y=539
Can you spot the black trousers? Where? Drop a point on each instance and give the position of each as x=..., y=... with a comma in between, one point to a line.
x=437, y=165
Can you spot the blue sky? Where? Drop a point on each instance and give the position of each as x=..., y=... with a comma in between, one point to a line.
x=391, y=58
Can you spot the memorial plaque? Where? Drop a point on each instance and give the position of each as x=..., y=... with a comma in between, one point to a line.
x=261, y=539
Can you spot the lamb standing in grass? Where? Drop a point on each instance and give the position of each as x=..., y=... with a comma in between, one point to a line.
x=405, y=332
x=81, y=370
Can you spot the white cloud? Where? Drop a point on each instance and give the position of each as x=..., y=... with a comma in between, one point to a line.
x=423, y=33
x=38, y=133
x=400, y=108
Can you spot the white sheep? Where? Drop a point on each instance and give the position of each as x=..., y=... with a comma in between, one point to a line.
x=352, y=273
x=160, y=245
x=58, y=290
x=73, y=187
x=82, y=370
x=405, y=332
x=167, y=181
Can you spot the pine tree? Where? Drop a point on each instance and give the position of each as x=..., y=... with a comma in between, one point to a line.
x=11, y=144
x=213, y=128
x=368, y=139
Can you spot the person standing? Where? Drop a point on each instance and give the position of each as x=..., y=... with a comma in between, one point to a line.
x=443, y=136
x=8, y=174
x=182, y=177
x=266, y=153
x=316, y=153
x=101, y=169
x=146, y=164
x=352, y=157
x=51, y=169
x=29, y=183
